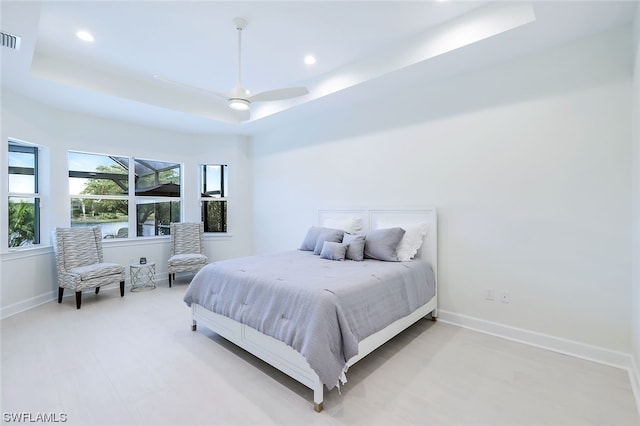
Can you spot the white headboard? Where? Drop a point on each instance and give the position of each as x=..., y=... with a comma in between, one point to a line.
x=370, y=218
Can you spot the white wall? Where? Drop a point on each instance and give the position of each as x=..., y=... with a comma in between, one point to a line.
x=528, y=163
x=635, y=327
x=29, y=277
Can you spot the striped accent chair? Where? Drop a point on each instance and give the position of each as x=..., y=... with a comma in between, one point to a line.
x=80, y=263
x=187, y=248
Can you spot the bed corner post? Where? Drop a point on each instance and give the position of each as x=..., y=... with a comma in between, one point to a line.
x=318, y=396
x=194, y=324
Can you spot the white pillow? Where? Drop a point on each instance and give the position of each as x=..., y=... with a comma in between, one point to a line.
x=412, y=240
x=347, y=224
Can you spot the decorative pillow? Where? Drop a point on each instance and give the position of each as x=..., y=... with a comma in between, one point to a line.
x=347, y=224
x=333, y=251
x=381, y=244
x=327, y=234
x=309, y=243
x=355, y=251
x=412, y=240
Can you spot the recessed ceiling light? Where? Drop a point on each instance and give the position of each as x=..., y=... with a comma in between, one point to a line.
x=309, y=59
x=84, y=36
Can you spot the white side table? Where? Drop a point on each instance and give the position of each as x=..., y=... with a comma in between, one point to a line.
x=143, y=276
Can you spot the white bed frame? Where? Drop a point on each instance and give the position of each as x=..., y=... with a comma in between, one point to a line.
x=291, y=362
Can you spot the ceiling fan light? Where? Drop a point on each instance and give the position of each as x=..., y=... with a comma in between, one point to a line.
x=85, y=36
x=239, y=104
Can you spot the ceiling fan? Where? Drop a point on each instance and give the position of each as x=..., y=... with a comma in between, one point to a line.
x=240, y=98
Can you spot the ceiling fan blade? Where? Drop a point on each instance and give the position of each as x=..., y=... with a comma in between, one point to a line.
x=193, y=88
x=279, y=94
x=243, y=115
x=239, y=99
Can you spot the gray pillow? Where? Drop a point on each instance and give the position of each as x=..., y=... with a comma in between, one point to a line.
x=333, y=251
x=381, y=244
x=309, y=243
x=355, y=251
x=327, y=234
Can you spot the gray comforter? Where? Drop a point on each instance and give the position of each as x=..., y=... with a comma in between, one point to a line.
x=321, y=308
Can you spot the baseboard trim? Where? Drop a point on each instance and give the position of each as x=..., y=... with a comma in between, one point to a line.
x=556, y=344
x=544, y=341
x=634, y=378
x=27, y=304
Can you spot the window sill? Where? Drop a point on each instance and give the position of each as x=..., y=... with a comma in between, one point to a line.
x=218, y=235
x=19, y=253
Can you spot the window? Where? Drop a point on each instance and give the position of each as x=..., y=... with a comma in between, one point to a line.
x=24, y=200
x=213, y=193
x=99, y=188
x=157, y=196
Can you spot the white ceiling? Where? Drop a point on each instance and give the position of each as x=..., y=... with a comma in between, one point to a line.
x=360, y=46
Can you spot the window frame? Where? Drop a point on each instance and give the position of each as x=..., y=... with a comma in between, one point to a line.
x=91, y=174
x=131, y=197
x=224, y=197
x=27, y=148
x=157, y=199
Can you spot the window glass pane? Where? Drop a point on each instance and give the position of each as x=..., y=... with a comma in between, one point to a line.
x=21, y=159
x=214, y=216
x=22, y=171
x=154, y=216
x=23, y=220
x=23, y=184
x=23, y=211
x=82, y=162
x=95, y=186
x=214, y=180
x=91, y=174
x=157, y=178
x=111, y=215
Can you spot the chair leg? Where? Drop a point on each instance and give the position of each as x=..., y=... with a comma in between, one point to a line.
x=60, y=291
x=97, y=290
x=121, y=288
x=78, y=299
x=169, y=279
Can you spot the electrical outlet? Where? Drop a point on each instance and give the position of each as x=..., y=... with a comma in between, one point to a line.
x=505, y=296
x=490, y=294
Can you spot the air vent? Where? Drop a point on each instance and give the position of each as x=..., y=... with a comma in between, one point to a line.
x=11, y=41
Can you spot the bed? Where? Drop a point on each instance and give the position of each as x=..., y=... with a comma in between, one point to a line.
x=313, y=317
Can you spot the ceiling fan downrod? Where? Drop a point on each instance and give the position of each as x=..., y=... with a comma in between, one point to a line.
x=241, y=24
